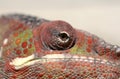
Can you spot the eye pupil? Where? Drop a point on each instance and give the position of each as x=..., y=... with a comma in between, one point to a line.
x=63, y=36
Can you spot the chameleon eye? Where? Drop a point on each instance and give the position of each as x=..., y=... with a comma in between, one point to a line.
x=57, y=35
x=63, y=37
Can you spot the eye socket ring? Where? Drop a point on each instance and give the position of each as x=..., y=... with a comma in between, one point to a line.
x=63, y=37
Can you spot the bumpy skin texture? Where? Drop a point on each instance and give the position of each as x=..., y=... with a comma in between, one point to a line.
x=75, y=54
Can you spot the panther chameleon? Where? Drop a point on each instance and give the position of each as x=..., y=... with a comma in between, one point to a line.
x=36, y=48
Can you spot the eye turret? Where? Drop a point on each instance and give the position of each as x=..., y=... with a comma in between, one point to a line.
x=57, y=35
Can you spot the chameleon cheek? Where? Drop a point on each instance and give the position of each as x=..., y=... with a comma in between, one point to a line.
x=21, y=43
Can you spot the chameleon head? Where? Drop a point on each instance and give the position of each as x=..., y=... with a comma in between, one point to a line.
x=57, y=35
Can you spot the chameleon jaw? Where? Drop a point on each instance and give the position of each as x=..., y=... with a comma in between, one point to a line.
x=19, y=63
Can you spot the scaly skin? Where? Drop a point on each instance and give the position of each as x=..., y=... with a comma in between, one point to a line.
x=33, y=48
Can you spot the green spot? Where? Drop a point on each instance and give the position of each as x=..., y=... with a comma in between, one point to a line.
x=78, y=50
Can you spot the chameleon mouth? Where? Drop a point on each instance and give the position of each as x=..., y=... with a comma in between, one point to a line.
x=19, y=63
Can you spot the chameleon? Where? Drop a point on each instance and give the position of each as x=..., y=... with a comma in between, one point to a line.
x=36, y=48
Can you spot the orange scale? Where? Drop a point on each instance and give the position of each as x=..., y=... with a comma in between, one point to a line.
x=18, y=41
x=89, y=69
x=24, y=44
x=15, y=34
x=111, y=74
x=105, y=75
x=18, y=52
x=60, y=77
x=25, y=51
x=50, y=76
x=88, y=49
x=89, y=42
x=84, y=72
x=30, y=39
x=94, y=69
x=41, y=74
x=67, y=74
x=30, y=46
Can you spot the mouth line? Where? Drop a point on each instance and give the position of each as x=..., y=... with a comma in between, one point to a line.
x=19, y=63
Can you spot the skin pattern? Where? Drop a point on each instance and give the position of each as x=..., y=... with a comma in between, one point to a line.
x=36, y=48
